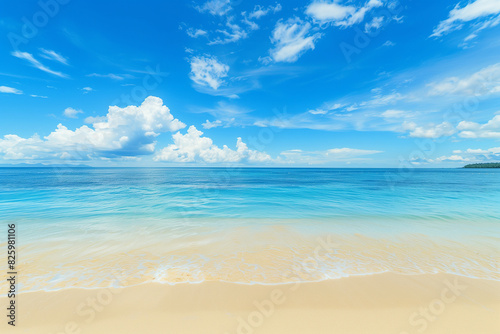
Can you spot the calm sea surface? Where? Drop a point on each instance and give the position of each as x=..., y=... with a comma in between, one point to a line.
x=83, y=226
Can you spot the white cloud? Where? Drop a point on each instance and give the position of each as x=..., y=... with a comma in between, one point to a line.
x=429, y=131
x=72, y=113
x=382, y=100
x=52, y=55
x=291, y=39
x=215, y=7
x=349, y=152
x=195, y=33
x=339, y=15
x=472, y=11
x=469, y=156
x=129, y=131
x=210, y=125
x=110, y=76
x=494, y=150
x=40, y=96
x=10, y=90
x=326, y=108
x=483, y=82
x=208, y=71
x=233, y=33
x=192, y=147
x=389, y=43
x=87, y=90
x=35, y=63
x=226, y=112
x=252, y=25
x=322, y=157
x=374, y=24
x=451, y=158
x=392, y=113
x=491, y=129
x=260, y=11
x=329, y=11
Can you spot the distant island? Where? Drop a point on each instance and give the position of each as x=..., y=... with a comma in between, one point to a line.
x=484, y=165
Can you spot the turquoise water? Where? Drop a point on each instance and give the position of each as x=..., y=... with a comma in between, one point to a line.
x=77, y=225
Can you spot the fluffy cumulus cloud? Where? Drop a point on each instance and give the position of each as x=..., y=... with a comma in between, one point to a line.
x=429, y=131
x=486, y=10
x=291, y=39
x=193, y=147
x=338, y=14
x=210, y=125
x=464, y=129
x=467, y=156
x=491, y=129
x=71, y=112
x=483, y=82
x=129, y=131
x=208, y=71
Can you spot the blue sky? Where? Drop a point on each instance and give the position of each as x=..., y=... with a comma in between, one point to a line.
x=298, y=83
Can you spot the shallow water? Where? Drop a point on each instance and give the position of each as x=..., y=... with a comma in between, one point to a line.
x=84, y=227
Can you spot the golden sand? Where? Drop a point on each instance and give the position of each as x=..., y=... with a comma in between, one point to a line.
x=383, y=303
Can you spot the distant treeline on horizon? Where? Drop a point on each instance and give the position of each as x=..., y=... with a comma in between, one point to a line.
x=484, y=165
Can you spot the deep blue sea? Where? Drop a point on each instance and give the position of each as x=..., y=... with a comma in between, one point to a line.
x=77, y=226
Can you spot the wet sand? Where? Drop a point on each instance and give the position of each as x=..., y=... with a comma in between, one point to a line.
x=383, y=303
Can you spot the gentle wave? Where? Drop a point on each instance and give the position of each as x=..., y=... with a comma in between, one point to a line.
x=273, y=254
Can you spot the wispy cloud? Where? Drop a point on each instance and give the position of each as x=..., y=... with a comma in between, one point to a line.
x=291, y=39
x=35, y=63
x=260, y=11
x=345, y=154
x=483, y=82
x=195, y=33
x=10, y=90
x=110, y=76
x=472, y=11
x=215, y=7
x=52, y=55
x=232, y=33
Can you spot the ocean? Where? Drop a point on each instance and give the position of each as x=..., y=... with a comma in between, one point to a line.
x=84, y=227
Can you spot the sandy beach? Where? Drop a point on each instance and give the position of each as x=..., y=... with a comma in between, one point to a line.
x=384, y=303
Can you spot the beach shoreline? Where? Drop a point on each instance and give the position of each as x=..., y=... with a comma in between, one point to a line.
x=380, y=303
